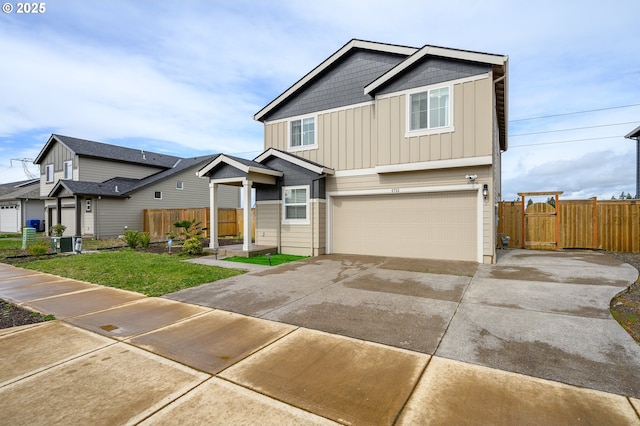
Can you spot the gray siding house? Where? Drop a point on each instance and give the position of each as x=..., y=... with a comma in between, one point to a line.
x=100, y=190
x=20, y=205
x=381, y=150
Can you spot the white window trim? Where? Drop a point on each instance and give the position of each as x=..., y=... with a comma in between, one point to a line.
x=69, y=164
x=46, y=173
x=429, y=131
x=179, y=185
x=154, y=195
x=286, y=221
x=315, y=133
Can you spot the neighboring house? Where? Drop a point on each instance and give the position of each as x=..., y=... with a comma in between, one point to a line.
x=100, y=190
x=381, y=150
x=21, y=205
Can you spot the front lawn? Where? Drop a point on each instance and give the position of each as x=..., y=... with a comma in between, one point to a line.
x=276, y=259
x=147, y=273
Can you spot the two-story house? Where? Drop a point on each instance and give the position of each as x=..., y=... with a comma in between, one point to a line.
x=100, y=190
x=381, y=150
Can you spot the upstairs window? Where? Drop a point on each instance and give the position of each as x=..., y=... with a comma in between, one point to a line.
x=48, y=171
x=68, y=169
x=157, y=195
x=296, y=200
x=302, y=133
x=429, y=109
x=179, y=184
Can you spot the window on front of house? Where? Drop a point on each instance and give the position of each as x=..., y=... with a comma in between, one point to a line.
x=179, y=184
x=296, y=201
x=157, y=195
x=48, y=171
x=68, y=169
x=430, y=109
x=302, y=133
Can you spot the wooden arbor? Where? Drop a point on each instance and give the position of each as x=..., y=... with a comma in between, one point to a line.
x=541, y=222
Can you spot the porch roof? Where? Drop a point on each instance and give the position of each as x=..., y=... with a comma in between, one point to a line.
x=244, y=165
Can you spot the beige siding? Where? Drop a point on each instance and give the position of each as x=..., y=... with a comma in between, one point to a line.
x=296, y=239
x=267, y=223
x=374, y=134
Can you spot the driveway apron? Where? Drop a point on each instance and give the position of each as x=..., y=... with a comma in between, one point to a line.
x=543, y=314
x=546, y=314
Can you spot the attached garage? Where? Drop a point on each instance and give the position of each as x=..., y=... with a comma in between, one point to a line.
x=434, y=225
x=9, y=218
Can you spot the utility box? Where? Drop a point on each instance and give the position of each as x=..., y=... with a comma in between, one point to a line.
x=28, y=237
x=66, y=244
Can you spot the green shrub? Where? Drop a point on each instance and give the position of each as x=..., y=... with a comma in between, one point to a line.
x=57, y=230
x=37, y=250
x=144, y=239
x=132, y=238
x=192, y=246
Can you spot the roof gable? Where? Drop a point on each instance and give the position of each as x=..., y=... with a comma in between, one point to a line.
x=242, y=164
x=389, y=50
x=294, y=159
x=92, y=149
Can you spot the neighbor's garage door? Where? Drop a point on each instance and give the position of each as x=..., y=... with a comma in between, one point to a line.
x=425, y=225
x=9, y=219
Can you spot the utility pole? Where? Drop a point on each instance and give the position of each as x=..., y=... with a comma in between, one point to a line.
x=25, y=166
x=635, y=134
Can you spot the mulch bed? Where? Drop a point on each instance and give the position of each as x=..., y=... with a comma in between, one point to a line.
x=12, y=315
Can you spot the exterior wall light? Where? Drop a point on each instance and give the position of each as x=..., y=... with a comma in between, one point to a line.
x=485, y=191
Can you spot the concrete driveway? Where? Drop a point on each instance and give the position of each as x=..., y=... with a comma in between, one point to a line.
x=543, y=314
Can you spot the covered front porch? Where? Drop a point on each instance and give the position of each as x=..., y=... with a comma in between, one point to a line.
x=234, y=171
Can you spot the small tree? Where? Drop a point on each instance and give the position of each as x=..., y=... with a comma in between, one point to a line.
x=190, y=228
x=57, y=230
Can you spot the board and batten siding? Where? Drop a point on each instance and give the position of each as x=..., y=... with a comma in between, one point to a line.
x=297, y=239
x=373, y=134
x=57, y=155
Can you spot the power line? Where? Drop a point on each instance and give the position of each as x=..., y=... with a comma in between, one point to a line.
x=572, y=113
x=569, y=141
x=574, y=128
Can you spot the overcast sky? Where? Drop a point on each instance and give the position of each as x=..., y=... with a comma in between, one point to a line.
x=186, y=77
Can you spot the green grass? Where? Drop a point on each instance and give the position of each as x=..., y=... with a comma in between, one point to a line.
x=10, y=244
x=276, y=259
x=147, y=273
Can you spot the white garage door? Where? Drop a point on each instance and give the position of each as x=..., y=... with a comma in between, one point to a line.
x=9, y=219
x=425, y=225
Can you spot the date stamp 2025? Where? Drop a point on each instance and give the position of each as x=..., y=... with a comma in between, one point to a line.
x=24, y=8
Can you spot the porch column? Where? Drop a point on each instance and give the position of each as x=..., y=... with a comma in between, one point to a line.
x=246, y=194
x=213, y=215
x=78, y=232
x=59, y=210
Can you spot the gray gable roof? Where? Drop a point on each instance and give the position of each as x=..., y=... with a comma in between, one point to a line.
x=20, y=190
x=92, y=149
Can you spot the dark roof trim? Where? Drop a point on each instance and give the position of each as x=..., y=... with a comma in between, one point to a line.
x=634, y=134
x=444, y=52
x=353, y=44
x=246, y=166
x=294, y=159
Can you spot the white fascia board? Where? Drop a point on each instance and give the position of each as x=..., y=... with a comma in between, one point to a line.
x=435, y=51
x=294, y=160
x=262, y=171
x=403, y=50
x=203, y=171
x=437, y=164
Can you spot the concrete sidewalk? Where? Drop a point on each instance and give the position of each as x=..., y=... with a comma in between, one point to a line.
x=116, y=357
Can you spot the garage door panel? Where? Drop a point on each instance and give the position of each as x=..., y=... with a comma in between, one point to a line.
x=426, y=225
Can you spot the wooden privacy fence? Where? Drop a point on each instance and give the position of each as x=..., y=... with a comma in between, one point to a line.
x=160, y=222
x=612, y=225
